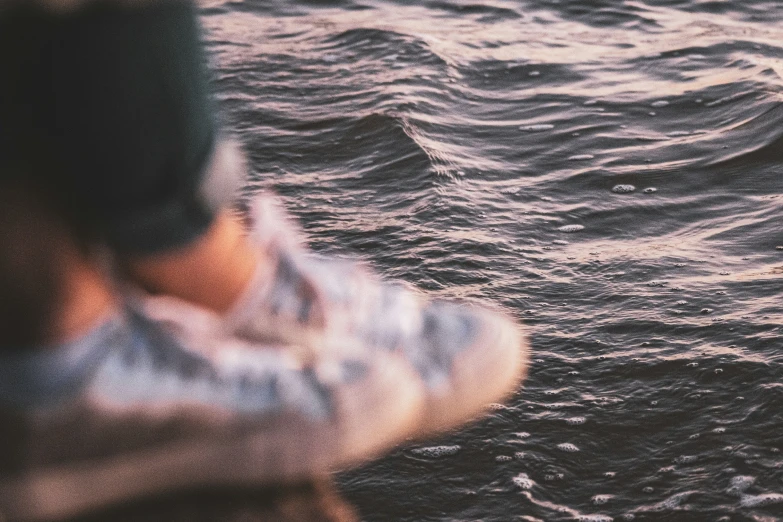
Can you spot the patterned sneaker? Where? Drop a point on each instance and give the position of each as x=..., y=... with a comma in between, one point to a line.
x=467, y=357
x=133, y=409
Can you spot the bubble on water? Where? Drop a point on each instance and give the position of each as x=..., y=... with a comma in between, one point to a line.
x=694, y=436
x=657, y=283
x=573, y=373
x=519, y=455
x=590, y=102
x=692, y=365
x=436, y=451
x=534, y=73
x=677, y=134
x=681, y=303
x=571, y=228
x=659, y=103
x=650, y=190
x=575, y=421
x=705, y=311
x=666, y=469
x=538, y=127
x=648, y=489
x=719, y=430
x=609, y=474
x=503, y=458
x=738, y=485
x=652, y=113
x=766, y=499
x=567, y=447
x=718, y=371
x=560, y=242
x=629, y=516
x=623, y=189
x=685, y=459
x=600, y=500
x=581, y=157
x=522, y=481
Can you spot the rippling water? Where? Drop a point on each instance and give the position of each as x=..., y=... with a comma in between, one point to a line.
x=608, y=170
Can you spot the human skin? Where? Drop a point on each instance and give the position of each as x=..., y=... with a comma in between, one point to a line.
x=212, y=272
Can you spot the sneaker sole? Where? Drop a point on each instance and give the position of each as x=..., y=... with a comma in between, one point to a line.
x=287, y=450
x=489, y=371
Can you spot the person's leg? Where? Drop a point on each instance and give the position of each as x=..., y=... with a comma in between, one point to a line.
x=114, y=406
x=212, y=271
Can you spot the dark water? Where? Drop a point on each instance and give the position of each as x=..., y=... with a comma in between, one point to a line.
x=455, y=144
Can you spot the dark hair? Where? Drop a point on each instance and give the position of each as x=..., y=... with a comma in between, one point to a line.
x=32, y=234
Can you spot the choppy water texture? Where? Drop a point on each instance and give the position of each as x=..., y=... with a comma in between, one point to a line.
x=609, y=170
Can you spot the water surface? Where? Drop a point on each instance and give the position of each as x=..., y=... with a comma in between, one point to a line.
x=610, y=171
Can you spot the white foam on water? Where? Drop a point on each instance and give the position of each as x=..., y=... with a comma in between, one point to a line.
x=436, y=451
x=600, y=500
x=503, y=458
x=685, y=459
x=740, y=484
x=496, y=406
x=581, y=157
x=538, y=127
x=659, y=103
x=623, y=189
x=667, y=504
x=650, y=190
x=571, y=228
x=765, y=499
x=594, y=518
x=523, y=481
x=567, y=447
x=576, y=421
